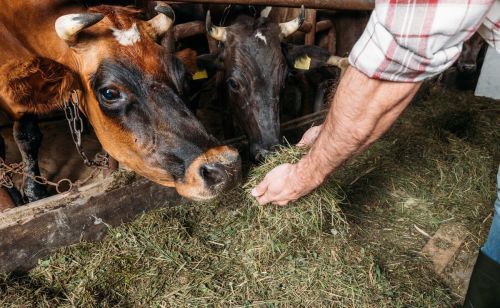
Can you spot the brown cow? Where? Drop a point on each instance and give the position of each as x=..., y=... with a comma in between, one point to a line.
x=131, y=90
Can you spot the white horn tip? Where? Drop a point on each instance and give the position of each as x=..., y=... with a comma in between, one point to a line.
x=67, y=25
x=265, y=12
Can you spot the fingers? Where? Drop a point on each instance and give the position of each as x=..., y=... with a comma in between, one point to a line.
x=265, y=199
x=309, y=136
x=260, y=189
x=281, y=203
x=261, y=192
x=275, y=186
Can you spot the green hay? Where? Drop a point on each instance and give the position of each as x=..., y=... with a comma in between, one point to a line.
x=351, y=243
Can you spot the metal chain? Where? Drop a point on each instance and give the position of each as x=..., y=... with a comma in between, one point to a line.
x=8, y=170
x=75, y=122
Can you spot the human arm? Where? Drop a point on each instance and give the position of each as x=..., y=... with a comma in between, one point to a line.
x=403, y=44
x=361, y=111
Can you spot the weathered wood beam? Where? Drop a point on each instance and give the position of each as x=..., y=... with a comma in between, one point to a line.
x=34, y=231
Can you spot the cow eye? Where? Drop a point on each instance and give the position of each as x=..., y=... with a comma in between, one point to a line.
x=233, y=84
x=110, y=94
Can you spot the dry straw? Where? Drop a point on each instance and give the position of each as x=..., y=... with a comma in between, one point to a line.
x=351, y=243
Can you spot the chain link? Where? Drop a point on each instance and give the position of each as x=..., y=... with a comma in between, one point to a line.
x=75, y=122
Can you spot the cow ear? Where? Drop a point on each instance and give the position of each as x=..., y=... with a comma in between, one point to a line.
x=40, y=84
x=306, y=57
x=188, y=57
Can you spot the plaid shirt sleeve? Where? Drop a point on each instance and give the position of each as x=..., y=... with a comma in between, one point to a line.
x=414, y=40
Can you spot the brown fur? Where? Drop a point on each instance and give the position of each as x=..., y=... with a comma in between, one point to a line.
x=188, y=57
x=43, y=69
x=120, y=17
x=38, y=83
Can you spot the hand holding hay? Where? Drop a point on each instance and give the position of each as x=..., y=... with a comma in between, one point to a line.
x=278, y=178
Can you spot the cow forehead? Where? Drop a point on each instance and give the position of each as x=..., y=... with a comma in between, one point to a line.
x=129, y=45
x=260, y=36
x=258, y=50
x=127, y=37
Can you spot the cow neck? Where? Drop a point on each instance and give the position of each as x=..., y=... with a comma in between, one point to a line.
x=42, y=18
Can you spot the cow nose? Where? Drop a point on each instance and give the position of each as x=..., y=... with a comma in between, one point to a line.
x=261, y=154
x=213, y=174
x=467, y=67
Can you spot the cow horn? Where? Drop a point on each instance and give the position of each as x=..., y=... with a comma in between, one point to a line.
x=68, y=26
x=290, y=27
x=218, y=33
x=165, y=18
x=265, y=12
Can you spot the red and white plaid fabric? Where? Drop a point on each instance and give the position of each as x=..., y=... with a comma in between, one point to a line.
x=415, y=40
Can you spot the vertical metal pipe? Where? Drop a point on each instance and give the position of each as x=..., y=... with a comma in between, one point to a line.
x=311, y=35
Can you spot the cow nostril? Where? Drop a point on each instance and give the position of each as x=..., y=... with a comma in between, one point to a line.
x=261, y=155
x=466, y=67
x=213, y=174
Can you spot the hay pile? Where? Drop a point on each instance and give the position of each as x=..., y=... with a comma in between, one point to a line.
x=352, y=243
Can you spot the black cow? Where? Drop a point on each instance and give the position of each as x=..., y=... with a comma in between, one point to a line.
x=255, y=63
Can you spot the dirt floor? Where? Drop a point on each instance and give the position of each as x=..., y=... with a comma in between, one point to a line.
x=358, y=241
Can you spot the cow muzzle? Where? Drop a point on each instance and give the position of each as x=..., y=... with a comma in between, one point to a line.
x=465, y=67
x=210, y=174
x=260, y=150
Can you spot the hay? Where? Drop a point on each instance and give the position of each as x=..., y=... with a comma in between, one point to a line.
x=353, y=242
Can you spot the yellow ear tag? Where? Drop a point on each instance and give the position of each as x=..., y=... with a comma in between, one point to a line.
x=302, y=63
x=200, y=74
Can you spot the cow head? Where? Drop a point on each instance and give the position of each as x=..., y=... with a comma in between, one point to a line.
x=134, y=93
x=255, y=64
x=467, y=61
x=254, y=69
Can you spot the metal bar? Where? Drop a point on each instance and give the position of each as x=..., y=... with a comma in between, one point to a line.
x=192, y=28
x=311, y=35
x=332, y=40
x=323, y=25
x=189, y=29
x=310, y=4
x=286, y=126
x=305, y=27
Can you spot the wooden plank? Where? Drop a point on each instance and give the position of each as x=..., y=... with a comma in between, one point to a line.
x=443, y=245
x=36, y=230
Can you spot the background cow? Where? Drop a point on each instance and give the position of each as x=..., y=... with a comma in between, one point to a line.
x=254, y=64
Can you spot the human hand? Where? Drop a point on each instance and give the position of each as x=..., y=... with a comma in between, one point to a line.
x=283, y=184
x=310, y=136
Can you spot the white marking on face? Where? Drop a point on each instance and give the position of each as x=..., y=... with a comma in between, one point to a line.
x=127, y=37
x=261, y=36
